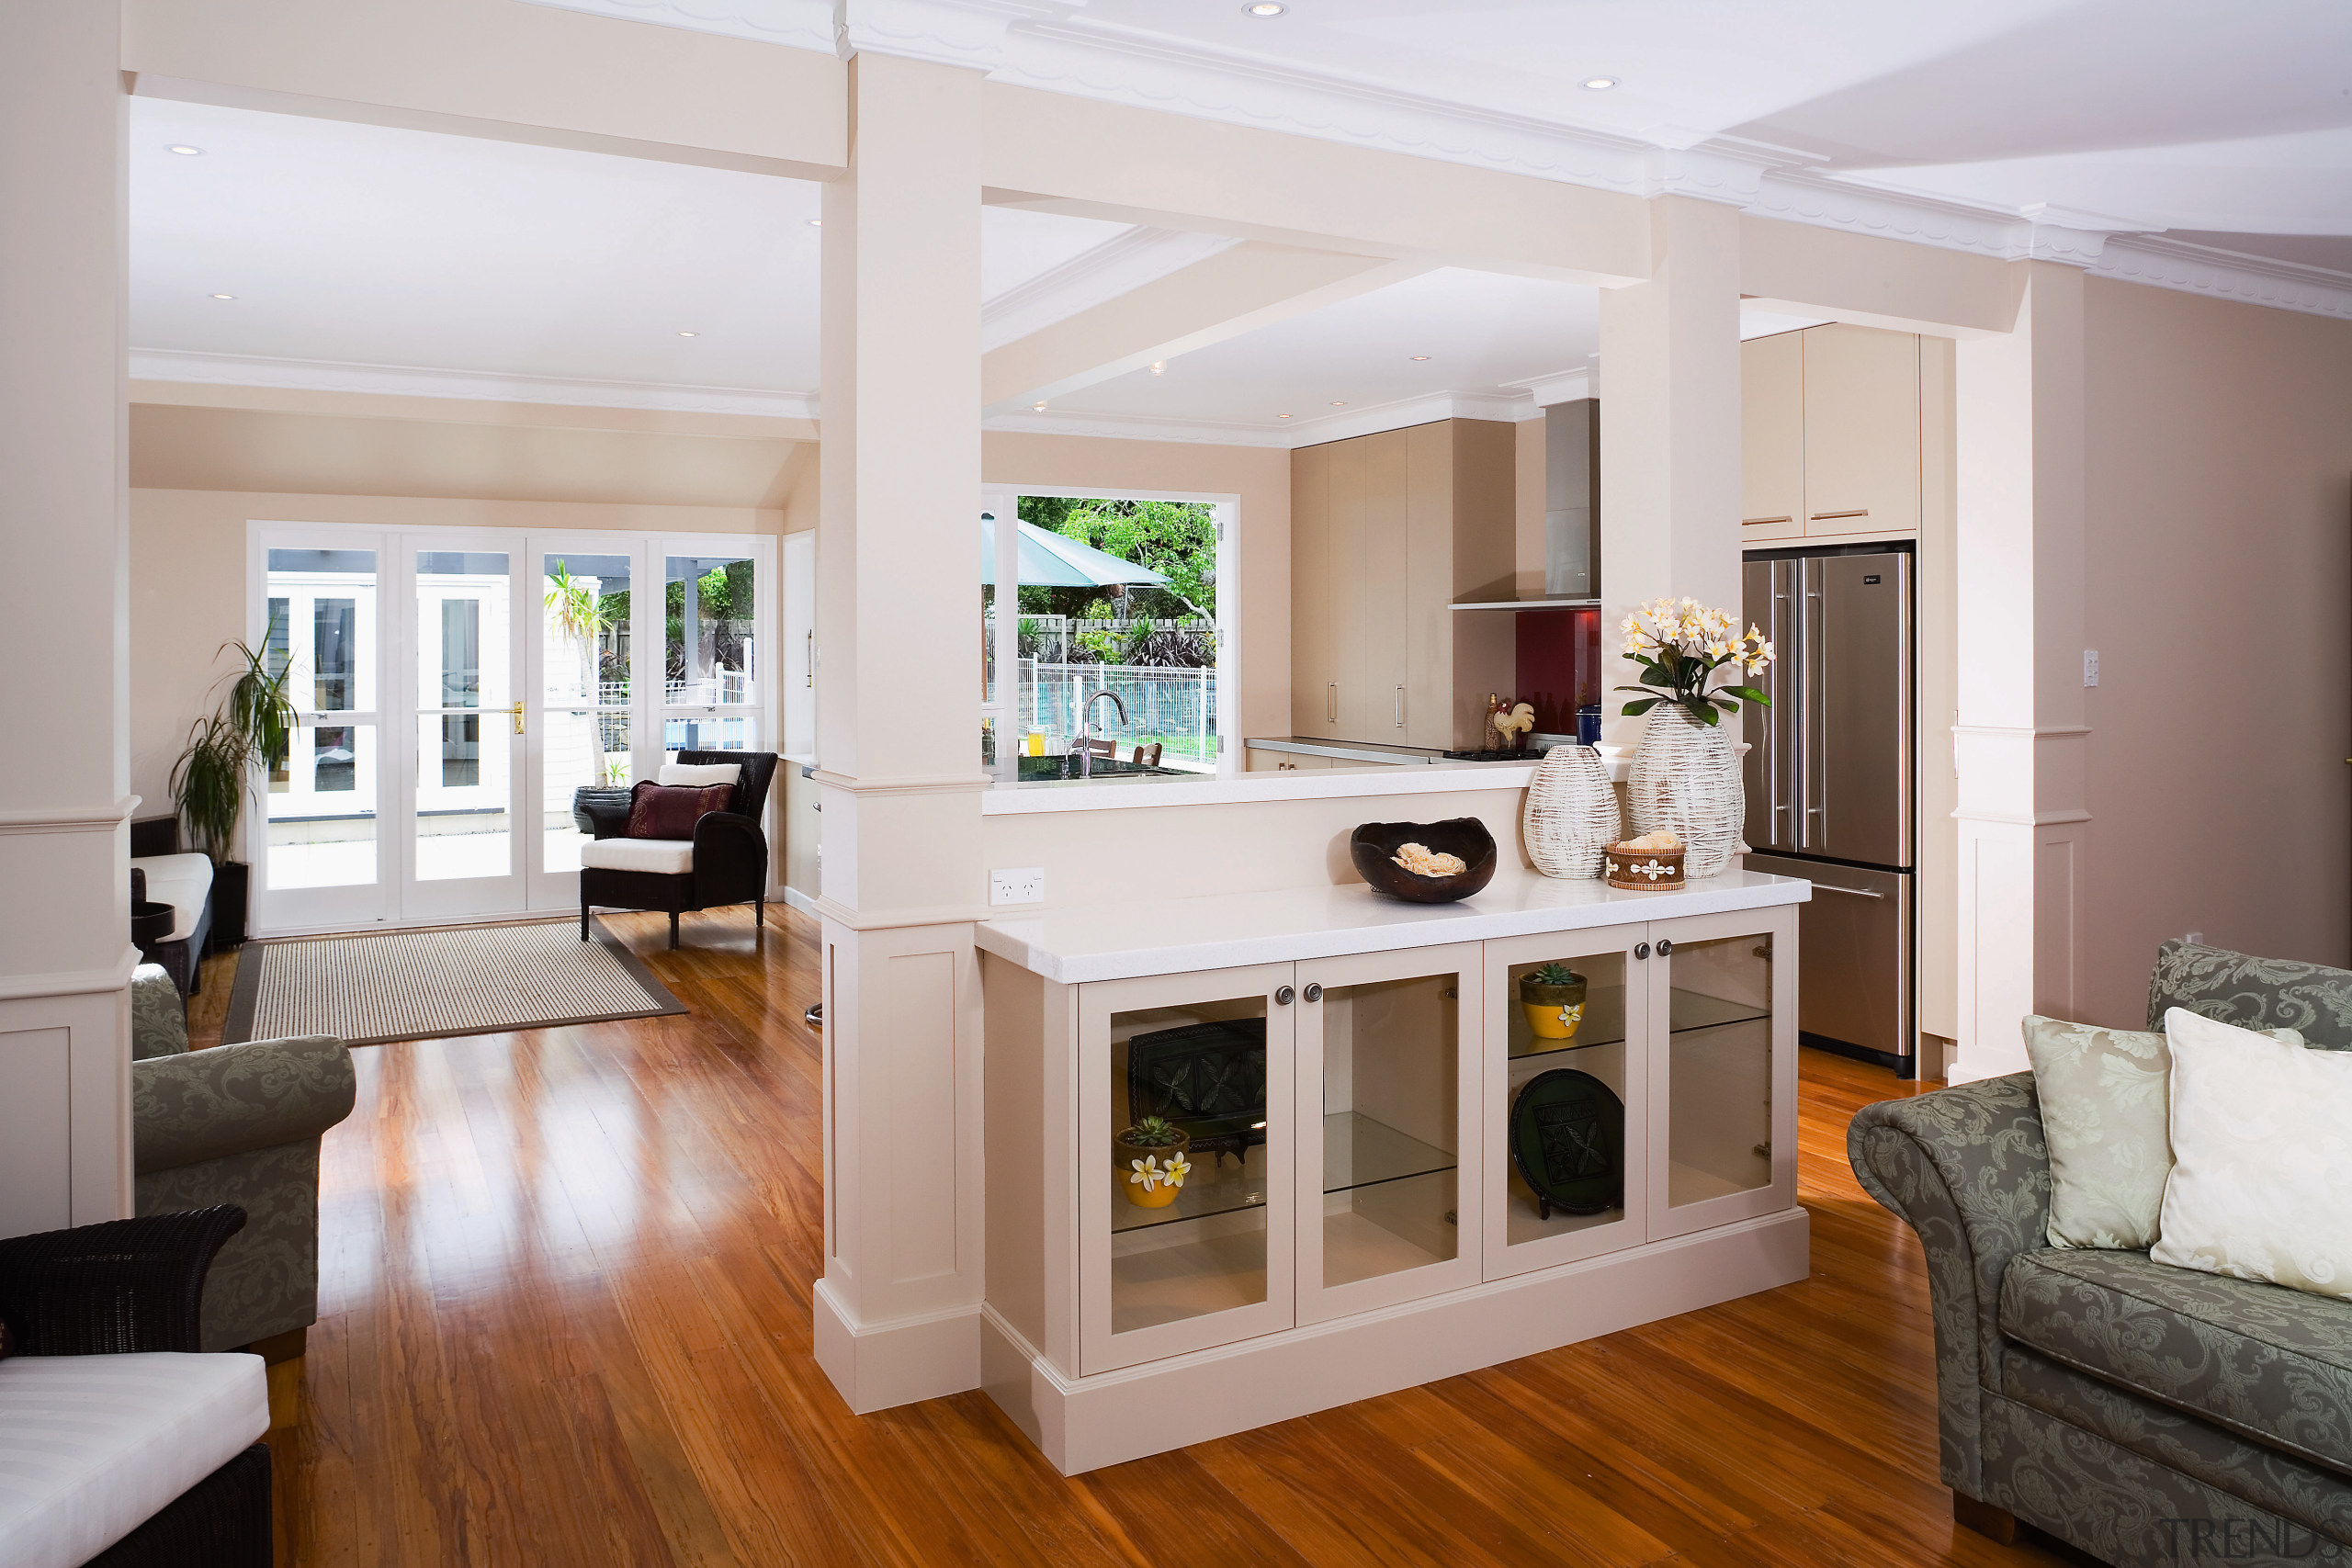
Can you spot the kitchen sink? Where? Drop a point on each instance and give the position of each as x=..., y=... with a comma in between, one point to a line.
x=1041, y=769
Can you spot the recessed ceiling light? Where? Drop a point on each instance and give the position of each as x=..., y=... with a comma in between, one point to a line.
x=689, y=335
x=1265, y=8
x=185, y=150
x=1599, y=84
x=1418, y=357
x=225, y=297
x=815, y=222
x=1039, y=408
x=1281, y=416
x=1337, y=404
x=1159, y=367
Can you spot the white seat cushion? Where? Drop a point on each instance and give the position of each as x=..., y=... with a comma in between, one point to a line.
x=665, y=857
x=93, y=1446
x=699, y=773
x=181, y=881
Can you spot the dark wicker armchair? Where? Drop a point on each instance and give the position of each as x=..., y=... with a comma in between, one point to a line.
x=728, y=862
x=126, y=1287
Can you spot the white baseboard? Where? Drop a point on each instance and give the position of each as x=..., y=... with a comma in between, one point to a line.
x=879, y=1365
x=805, y=903
x=1082, y=1423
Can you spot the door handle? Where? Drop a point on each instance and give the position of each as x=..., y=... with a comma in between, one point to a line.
x=1400, y=707
x=517, y=711
x=1313, y=992
x=1762, y=522
x=1283, y=996
x=1850, y=892
x=1825, y=516
x=1641, y=949
x=809, y=658
x=1664, y=947
x=1333, y=704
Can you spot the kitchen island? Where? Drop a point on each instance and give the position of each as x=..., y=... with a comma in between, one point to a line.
x=1372, y=1196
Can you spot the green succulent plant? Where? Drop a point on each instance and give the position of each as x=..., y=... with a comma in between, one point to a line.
x=1152, y=1133
x=1553, y=975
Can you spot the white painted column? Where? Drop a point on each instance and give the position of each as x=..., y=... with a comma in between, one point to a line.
x=2021, y=739
x=65, y=953
x=1669, y=430
x=899, y=682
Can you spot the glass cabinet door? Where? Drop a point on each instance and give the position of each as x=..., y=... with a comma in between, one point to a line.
x=1185, y=1155
x=1566, y=1097
x=1388, y=1101
x=1723, y=1080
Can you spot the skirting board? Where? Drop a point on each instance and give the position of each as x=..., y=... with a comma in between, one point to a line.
x=879, y=1365
x=1082, y=1423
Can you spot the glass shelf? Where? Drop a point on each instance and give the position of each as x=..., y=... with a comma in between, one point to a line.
x=1604, y=1021
x=1216, y=1186
x=1360, y=1152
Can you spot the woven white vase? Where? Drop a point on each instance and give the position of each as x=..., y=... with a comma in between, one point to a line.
x=1571, y=813
x=1685, y=777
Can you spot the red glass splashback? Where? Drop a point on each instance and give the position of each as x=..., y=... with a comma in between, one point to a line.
x=1558, y=665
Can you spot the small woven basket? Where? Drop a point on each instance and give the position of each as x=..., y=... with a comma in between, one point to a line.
x=1645, y=870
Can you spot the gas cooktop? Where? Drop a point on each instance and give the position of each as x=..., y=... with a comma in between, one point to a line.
x=1532, y=754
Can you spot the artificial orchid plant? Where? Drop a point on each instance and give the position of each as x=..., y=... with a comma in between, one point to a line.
x=1680, y=645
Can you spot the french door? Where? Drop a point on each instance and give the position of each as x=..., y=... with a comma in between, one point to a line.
x=456, y=689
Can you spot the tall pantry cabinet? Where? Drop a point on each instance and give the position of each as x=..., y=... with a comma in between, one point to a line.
x=1386, y=532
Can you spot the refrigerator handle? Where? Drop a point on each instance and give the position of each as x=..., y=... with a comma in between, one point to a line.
x=1813, y=825
x=1779, y=760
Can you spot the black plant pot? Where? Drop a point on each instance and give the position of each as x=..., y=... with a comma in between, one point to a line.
x=232, y=882
x=603, y=794
x=149, y=924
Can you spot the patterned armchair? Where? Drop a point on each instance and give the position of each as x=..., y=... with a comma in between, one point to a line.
x=238, y=1124
x=2144, y=1414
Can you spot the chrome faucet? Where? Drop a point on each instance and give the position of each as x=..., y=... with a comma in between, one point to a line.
x=1086, y=729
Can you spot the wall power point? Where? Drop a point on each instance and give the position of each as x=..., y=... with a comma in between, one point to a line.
x=1020, y=885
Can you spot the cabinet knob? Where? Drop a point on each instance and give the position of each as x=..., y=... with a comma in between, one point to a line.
x=1313, y=992
x=1664, y=947
x=1283, y=996
x=1641, y=949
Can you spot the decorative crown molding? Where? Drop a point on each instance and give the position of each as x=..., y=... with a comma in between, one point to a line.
x=1118, y=265
x=326, y=375
x=2227, y=274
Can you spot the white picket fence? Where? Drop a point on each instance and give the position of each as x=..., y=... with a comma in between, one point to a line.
x=1176, y=709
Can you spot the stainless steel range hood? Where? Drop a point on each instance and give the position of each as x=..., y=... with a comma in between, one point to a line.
x=1571, y=517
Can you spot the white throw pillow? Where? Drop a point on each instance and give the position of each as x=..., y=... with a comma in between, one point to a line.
x=2261, y=1183
x=699, y=773
x=2106, y=1109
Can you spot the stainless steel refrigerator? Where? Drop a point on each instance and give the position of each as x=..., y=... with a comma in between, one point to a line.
x=1830, y=794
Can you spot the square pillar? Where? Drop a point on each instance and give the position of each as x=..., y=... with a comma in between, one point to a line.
x=1669, y=430
x=65, y=953
x=900, y=779
x=2020, y=741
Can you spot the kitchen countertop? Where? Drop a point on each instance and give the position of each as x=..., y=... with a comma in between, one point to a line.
x=1168, y=936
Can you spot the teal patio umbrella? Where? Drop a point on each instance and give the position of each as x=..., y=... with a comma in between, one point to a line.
x=1055, y=561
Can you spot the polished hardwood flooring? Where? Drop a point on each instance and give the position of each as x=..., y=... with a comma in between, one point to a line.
x=565, y=1320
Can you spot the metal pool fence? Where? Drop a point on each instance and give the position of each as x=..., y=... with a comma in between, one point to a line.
x=1177, y=708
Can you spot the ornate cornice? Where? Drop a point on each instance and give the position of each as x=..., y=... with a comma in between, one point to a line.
x=2226, y=275
x=324, y=375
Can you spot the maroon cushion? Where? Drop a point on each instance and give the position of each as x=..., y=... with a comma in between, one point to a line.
x=670, y=811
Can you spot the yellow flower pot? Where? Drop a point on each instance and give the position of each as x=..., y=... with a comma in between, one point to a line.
x=1151, y=1176
x=1554, y=1012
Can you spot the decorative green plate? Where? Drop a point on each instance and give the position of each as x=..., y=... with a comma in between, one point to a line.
x=1568, y=1138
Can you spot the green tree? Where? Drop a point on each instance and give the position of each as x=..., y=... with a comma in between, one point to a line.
x=1175, y=539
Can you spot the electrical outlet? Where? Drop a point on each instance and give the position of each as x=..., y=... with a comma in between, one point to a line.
x=2091, y=667
x=1020, y=885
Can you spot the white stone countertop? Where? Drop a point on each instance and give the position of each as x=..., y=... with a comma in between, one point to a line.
x=1174, y=936
x=1133, y=790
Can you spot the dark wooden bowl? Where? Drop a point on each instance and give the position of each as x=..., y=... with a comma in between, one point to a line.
x=1373, y=849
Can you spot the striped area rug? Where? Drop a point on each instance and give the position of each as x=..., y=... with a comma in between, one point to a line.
x=419, y=985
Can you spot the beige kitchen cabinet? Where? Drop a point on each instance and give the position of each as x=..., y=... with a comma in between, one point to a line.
x=1862, y=431
x=1829, y=435
x=1386, y=532
x=1772, y=437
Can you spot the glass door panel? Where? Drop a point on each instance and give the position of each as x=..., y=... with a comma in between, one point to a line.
x=1185, y=1236
x=1720, y=1103
x=321, y=855
x=1386, y=1086
x=710, y=684
x=1569, y=1021
x=463, y=858
x=580, y=721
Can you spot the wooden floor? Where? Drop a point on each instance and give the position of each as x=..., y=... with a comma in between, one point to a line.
x=564, y=1319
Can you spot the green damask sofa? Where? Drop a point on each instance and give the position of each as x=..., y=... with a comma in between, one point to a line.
x=2145, y=1414
x=237, y=1125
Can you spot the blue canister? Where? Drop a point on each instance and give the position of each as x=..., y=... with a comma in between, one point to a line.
x=1588, y=725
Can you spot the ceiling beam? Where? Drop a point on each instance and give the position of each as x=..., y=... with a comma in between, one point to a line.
x=1237, y=290
x=1056, y=152
x=1802, y=269
x=504, y=71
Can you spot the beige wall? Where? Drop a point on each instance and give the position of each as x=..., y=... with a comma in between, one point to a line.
x=188, y=584
x=1258, y=475
x=1528, y=455
x=2218, y=445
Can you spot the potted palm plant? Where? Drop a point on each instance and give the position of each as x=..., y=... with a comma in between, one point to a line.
x=577, y=611
x=254, y=723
